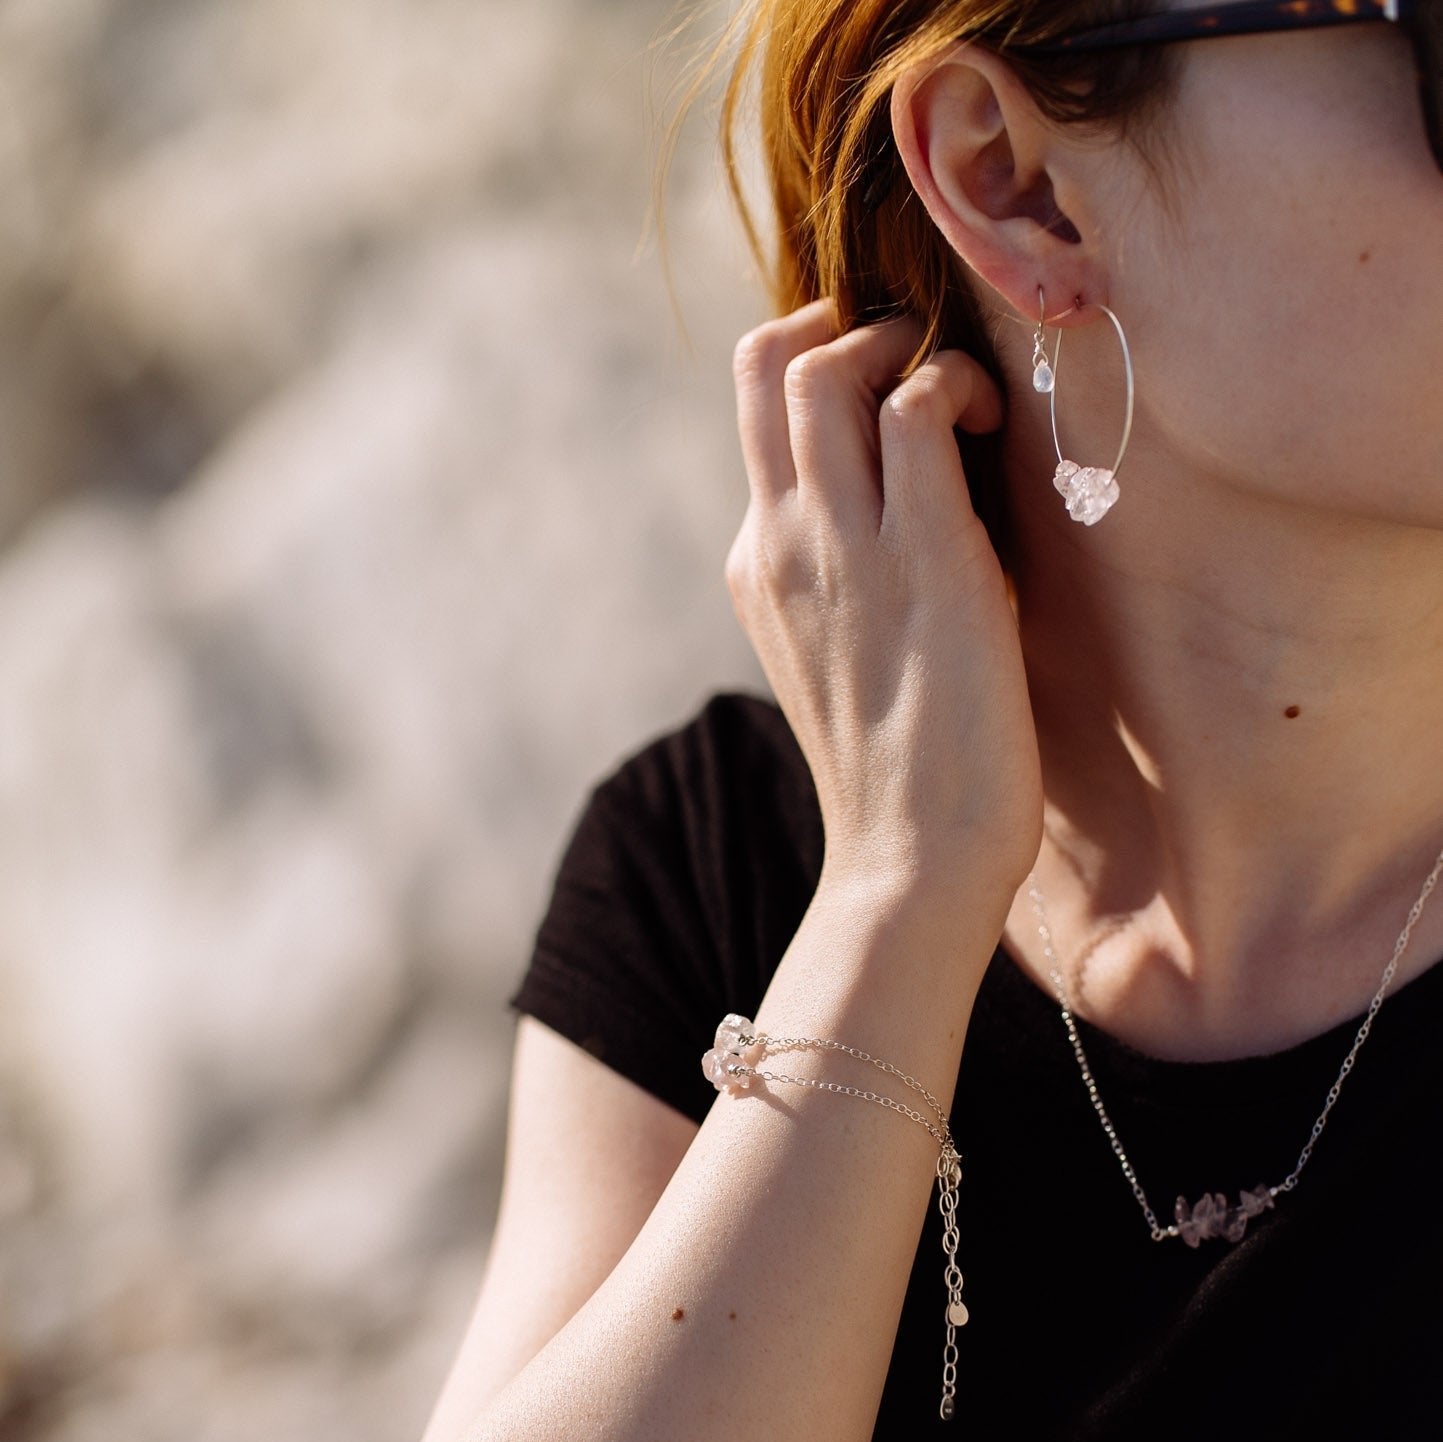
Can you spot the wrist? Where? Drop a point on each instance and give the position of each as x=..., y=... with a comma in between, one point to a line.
x=940, y=926
x=968, y=895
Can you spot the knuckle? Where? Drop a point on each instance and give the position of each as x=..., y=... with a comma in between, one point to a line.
x=917, y=403
x=759, y=355
x=740, y=570
x=810, y=373
x=768, y=563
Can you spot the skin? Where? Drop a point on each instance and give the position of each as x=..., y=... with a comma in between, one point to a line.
x=1222, y=879
x=1278, y=543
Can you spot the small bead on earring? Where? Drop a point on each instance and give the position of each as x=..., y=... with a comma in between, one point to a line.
x=1042, y=377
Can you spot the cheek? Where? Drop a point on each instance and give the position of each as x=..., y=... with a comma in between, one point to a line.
x=1291, y=323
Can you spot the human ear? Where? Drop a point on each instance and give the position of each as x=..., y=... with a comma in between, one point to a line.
x=1001, y=182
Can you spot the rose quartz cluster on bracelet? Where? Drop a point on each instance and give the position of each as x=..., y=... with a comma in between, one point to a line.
x=735, y=1052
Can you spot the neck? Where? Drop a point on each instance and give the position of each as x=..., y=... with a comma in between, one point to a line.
x=1238, y=705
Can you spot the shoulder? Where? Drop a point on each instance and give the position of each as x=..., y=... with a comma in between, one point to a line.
x=732, y=783
x=687, y=875
x=733, y=738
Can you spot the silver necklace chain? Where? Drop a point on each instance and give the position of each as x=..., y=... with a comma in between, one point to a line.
x=1211, y=1216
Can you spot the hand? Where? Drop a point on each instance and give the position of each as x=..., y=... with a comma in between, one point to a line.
x=877, y=605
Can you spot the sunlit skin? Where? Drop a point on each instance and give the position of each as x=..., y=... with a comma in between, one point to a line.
x=1279, y=545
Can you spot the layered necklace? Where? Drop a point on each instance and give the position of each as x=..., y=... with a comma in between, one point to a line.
x=1213, y=1216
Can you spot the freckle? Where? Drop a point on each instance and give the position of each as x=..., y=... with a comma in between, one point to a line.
x=731, y=1316
x=679, y=1315
x=1366, y=256
x=1293, y=711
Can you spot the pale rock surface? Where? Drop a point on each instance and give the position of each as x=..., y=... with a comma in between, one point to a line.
x=360, y=505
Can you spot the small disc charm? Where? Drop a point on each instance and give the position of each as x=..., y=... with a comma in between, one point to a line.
x=957, y=1313
x=949, y=1409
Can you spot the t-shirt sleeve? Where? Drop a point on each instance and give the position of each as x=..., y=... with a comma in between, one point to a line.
x=684, y=880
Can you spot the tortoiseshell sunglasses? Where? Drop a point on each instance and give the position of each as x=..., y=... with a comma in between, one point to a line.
x=1421, y=19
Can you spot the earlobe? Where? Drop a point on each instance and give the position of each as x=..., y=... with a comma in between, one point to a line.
x=981, y=157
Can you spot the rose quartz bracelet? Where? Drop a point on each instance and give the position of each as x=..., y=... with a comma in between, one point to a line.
x=735, y=1062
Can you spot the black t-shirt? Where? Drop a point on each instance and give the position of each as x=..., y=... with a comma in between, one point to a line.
x=686, y=879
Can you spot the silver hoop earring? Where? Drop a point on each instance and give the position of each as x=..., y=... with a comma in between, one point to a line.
x=1090, y=491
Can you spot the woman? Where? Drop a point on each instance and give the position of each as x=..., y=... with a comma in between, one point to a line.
x=1140, y=811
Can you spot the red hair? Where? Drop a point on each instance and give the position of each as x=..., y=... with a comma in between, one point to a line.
x=818, y=76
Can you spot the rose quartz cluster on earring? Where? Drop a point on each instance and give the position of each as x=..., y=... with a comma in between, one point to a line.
x=1090, y=491
x=730, y=1065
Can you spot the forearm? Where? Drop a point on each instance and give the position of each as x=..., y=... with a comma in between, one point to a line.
x=768, y=1281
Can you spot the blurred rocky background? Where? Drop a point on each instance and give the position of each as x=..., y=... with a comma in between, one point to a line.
x=360, y=503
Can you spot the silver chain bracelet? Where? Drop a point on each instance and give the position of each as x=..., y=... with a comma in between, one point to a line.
x=733, y=1065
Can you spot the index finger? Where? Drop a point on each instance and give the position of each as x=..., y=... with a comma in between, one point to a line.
x=759, y=367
